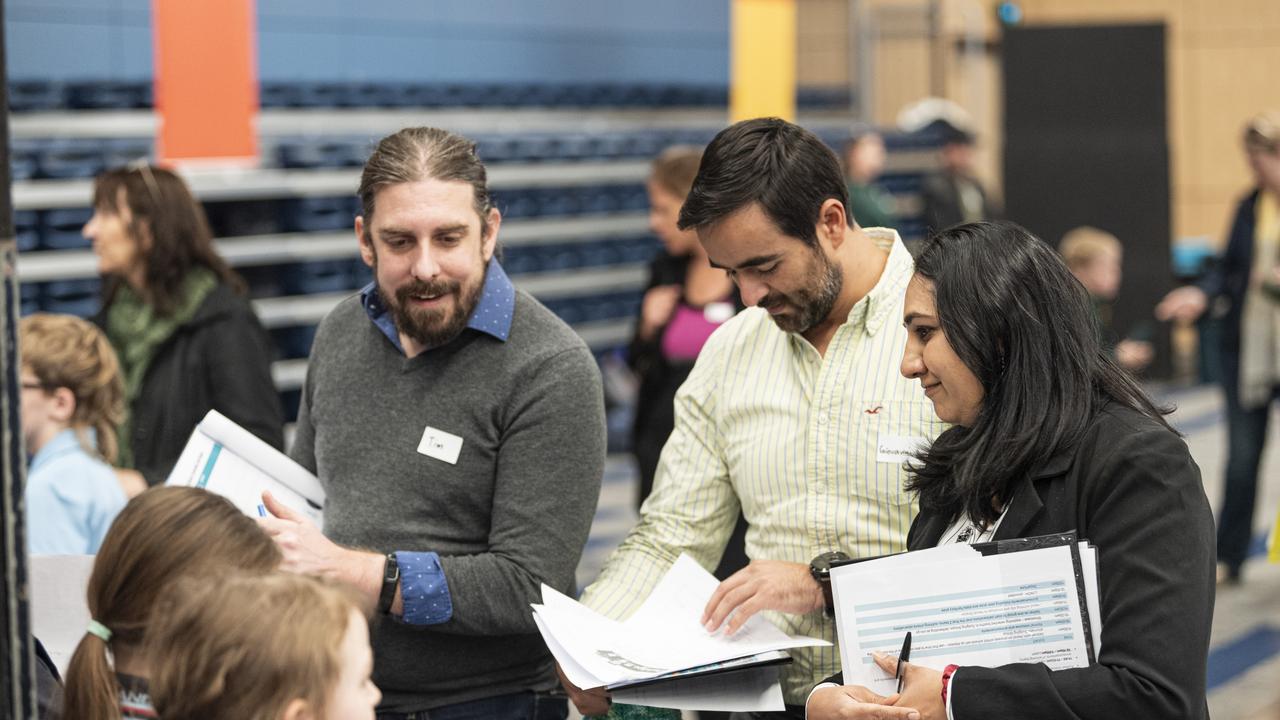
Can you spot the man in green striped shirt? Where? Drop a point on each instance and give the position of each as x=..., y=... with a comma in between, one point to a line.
x=795, y=411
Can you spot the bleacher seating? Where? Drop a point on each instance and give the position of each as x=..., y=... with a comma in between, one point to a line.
x=58, y=229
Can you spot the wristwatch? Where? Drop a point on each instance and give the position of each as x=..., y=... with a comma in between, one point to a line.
x=390, y=579
x=820, y=569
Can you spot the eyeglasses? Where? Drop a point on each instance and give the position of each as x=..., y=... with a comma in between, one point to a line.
x=35, y=386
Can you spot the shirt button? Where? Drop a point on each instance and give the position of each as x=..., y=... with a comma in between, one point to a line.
x=822, y=418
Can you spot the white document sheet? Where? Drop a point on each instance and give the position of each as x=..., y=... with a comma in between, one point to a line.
x=59, y=609
x=664, y=636
x=226, y=459
x=966, y=609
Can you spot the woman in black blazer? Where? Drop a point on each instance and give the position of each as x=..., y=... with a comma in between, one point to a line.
x=1050, y=435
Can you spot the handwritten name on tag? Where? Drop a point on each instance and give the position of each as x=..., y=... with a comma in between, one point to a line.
x=440, y=445
x=898, y=448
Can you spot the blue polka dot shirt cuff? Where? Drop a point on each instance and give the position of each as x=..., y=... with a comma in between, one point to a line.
x=423, y=589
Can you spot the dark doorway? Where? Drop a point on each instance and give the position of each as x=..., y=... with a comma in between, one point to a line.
x=1086, y=143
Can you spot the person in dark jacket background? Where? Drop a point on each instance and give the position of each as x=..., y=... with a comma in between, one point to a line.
x=1248, y=278
x=187, y=338
x=953, y=194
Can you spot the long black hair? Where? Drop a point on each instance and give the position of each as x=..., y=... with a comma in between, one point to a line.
x=1017, y=318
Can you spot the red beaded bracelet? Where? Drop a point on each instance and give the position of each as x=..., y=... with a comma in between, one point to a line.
x=946, y=680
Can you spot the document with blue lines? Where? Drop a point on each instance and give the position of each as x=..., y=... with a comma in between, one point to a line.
x=961, y=607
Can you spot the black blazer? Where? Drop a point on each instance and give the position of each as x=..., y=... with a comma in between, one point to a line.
x=1230, y=278
x=219, y=360
x=1131, y=488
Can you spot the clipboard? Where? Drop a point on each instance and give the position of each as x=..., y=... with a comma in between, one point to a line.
x=1068, y=538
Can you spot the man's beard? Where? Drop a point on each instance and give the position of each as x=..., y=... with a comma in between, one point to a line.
x=813, y=303
x=432, y=327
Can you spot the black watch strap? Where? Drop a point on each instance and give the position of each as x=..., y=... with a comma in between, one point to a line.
x=390, y=579
x=820, y=569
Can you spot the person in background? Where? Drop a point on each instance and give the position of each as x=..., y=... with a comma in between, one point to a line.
x=1050, y=435
x=685, y=300
x=72, y=398
x=162, y=536
x=1248, y=278
x=953, y=194
x=864, y=158
x=278, y=647
x=187, y=338
x=1094, y=256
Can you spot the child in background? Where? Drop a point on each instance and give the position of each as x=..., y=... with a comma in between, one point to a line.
x=279, y=647
x=162, y=536
x=72, y=399
x=1094, y=256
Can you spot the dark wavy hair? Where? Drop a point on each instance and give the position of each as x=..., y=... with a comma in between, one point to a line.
x=782, y=166
x=163, y=210
x=1017, y=318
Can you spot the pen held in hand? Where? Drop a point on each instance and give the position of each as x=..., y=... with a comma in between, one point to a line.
x=903, y=658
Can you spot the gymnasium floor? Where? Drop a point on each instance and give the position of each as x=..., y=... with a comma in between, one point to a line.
x=1244, y=661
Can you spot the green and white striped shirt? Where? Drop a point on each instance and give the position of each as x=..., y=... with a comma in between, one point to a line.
x=800, y=441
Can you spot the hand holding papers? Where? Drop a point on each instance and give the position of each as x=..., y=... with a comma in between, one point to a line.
x=662, y=656
x=968, y=608
x=226, y=459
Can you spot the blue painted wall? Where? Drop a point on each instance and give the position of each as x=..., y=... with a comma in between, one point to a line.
x=677, y=41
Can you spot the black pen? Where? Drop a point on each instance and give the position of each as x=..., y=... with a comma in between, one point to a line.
x=903, y=658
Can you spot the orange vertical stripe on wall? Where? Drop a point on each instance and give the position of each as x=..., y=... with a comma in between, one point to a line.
x=206, y=86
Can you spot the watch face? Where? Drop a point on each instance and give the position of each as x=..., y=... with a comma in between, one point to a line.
x=822, y=563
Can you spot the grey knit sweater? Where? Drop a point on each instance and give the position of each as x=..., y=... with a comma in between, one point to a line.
x=513, y=512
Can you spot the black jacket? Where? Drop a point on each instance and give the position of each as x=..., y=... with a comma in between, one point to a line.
x=940, y=197
x=219, y=360
x=1131, y=488
x=1230, y=277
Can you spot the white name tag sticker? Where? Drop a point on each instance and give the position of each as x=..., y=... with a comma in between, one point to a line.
x=899, y=448
x=440, y=445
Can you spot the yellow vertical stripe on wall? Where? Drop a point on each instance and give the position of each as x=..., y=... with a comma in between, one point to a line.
x=763, y=59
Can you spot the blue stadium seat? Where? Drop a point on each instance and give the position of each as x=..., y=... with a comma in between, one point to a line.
x=318, y=214
x=24, y=159
x=73, y=297
x=65, y=159
x=60, y=229
x=28, y=298
x=36, y=95
x=108, y=95
x=26, y=229
x=317, y=276
x=294, y=342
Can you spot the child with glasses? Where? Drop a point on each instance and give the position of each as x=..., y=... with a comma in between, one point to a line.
x=72, y=399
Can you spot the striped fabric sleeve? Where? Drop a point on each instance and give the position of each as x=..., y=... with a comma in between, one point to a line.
x=692, y=509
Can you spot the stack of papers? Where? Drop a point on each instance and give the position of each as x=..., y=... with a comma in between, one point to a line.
x=662, y=656
x=226, y=459
x=1031, y=600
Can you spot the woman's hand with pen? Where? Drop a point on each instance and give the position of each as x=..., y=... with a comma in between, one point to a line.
x=921, y=687
x=854, y=702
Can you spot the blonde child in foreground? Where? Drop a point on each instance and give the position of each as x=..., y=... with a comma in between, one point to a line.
x=277, y=647
x=72, y=399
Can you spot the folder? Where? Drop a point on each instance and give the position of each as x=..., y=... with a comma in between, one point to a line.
x=988, y=604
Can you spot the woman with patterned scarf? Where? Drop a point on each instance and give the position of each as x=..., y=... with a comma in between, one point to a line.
x=187, y=338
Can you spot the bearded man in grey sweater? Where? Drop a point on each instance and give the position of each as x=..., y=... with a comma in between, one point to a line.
x=457, y=427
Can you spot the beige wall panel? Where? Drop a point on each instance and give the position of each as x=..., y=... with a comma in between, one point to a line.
x=1234, y=14
x=822, y=67
x=822, y=42
x=902, y=72
x=1231, y=84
